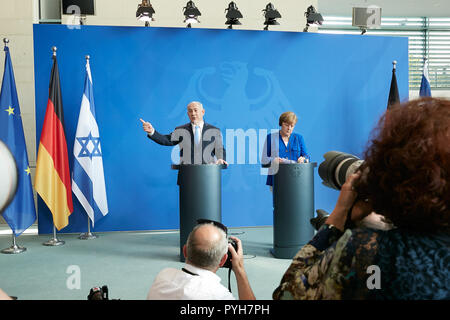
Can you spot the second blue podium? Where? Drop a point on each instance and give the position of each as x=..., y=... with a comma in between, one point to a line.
x=293, y=207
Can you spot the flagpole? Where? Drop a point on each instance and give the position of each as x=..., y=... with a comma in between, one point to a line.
x=87, y=235
x=55, y=241
x=14, y=249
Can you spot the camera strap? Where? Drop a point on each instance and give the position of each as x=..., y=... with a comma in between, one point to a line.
x=229, y=283
x=189, y=272
x=349, y=224
x=194, y=274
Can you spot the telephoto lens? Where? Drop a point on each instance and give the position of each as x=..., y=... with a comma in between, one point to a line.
x=337, y=167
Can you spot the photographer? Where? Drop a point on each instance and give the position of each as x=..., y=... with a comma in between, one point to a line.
x=406, y=179
x=205, y=252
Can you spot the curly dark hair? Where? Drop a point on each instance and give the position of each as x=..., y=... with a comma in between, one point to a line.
x=407, y=166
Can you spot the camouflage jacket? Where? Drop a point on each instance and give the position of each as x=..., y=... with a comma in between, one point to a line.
x=364, y=263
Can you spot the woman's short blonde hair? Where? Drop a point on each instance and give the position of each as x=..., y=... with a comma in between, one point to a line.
x=288, y=117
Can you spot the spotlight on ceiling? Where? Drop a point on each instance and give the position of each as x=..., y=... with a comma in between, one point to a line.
x=312, y=17
x=145, y=12
x=191, y=13
x=233, y=15
x=271, y=14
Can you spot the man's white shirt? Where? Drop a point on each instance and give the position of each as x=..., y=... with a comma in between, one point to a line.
x=176, y=284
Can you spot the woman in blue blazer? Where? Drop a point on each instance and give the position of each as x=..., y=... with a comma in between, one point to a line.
x=284, y=146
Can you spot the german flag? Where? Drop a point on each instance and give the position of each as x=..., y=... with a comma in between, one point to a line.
x=53, y=183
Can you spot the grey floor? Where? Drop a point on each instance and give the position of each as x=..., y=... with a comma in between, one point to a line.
x=127, y=262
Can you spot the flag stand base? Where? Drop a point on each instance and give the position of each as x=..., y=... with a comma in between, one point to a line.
x=14, y=249
x=87, y=236
x=54, y=242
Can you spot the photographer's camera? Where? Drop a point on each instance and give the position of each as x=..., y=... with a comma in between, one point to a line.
x=98, y=293
x=334, y=171
x=336, y=168
x=227, y=263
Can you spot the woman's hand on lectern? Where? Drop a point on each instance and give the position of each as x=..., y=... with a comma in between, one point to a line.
x=221, y=161
x=302, y=160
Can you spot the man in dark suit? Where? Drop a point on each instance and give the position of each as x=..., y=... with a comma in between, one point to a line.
x=200, y=142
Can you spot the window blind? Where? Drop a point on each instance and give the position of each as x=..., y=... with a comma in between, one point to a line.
x=429, y=38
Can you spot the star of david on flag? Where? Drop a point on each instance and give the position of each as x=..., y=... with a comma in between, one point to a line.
x=88, y=181
x=90, y=146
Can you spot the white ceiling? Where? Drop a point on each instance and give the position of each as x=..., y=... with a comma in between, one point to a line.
x=389, y=8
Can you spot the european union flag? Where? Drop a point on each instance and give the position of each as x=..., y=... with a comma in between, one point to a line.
x=21, y=212
x=425, y=89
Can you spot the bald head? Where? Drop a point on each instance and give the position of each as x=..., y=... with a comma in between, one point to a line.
x=206, y=246
x=206, y=235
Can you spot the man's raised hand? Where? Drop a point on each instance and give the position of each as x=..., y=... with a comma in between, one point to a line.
x=147, y=126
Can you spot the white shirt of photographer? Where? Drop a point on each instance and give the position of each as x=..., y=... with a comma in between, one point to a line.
x=176, y=284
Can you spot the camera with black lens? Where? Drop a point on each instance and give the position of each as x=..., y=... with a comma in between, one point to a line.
x=337, y=167
x=334, y=171
x=227, y=263
x=98, y=293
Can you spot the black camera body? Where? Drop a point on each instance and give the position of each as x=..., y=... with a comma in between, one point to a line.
x=334, y=171
x=227, y=263
x=320, y=219
x=98, y=293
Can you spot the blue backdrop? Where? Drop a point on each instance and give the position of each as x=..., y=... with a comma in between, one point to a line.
x=338, y=86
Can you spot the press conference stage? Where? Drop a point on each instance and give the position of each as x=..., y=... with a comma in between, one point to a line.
x=127, y=262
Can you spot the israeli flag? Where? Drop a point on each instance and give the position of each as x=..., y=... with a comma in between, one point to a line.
x=425, y=89
x=88, y=180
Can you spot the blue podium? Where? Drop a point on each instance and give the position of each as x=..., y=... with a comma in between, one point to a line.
x=200, y=196
x=293, y=207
